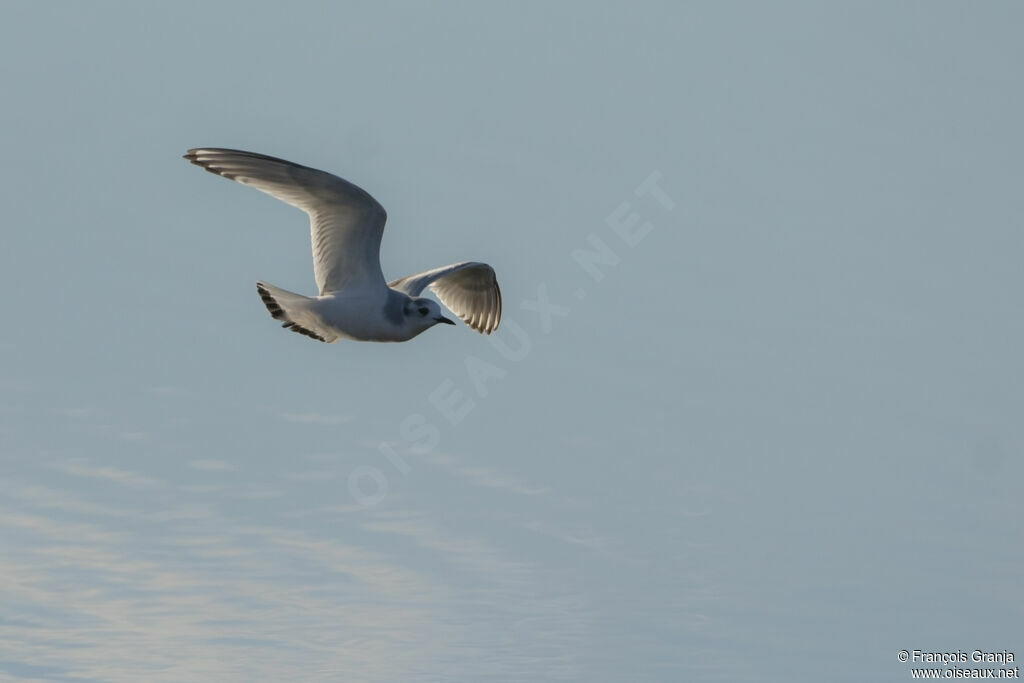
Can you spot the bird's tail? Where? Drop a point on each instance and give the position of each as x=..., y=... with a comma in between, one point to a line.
x=296, y=312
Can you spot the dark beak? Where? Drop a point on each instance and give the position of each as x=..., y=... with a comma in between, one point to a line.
x=445, y=320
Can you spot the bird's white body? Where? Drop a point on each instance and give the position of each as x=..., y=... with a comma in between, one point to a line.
x=346, y=226
x=375, y=315
x=359, y=317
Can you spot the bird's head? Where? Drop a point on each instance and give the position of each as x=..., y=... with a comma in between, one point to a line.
x=423, y=313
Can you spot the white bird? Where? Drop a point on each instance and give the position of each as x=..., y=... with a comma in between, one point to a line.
x=355, y=301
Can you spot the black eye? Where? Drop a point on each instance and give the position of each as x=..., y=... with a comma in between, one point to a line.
x=424, y=310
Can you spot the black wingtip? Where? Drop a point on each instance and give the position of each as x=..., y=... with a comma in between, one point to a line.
x=278, y=313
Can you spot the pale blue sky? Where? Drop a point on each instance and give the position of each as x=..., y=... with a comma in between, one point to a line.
x=778, y=440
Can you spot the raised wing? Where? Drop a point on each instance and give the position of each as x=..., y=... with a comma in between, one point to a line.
x=470, y=290
x=346, y=223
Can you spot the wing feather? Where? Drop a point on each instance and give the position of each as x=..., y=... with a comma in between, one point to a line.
x=469, y=289
x=346, y=223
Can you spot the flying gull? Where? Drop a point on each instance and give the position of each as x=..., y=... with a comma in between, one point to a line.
x=355, y=302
